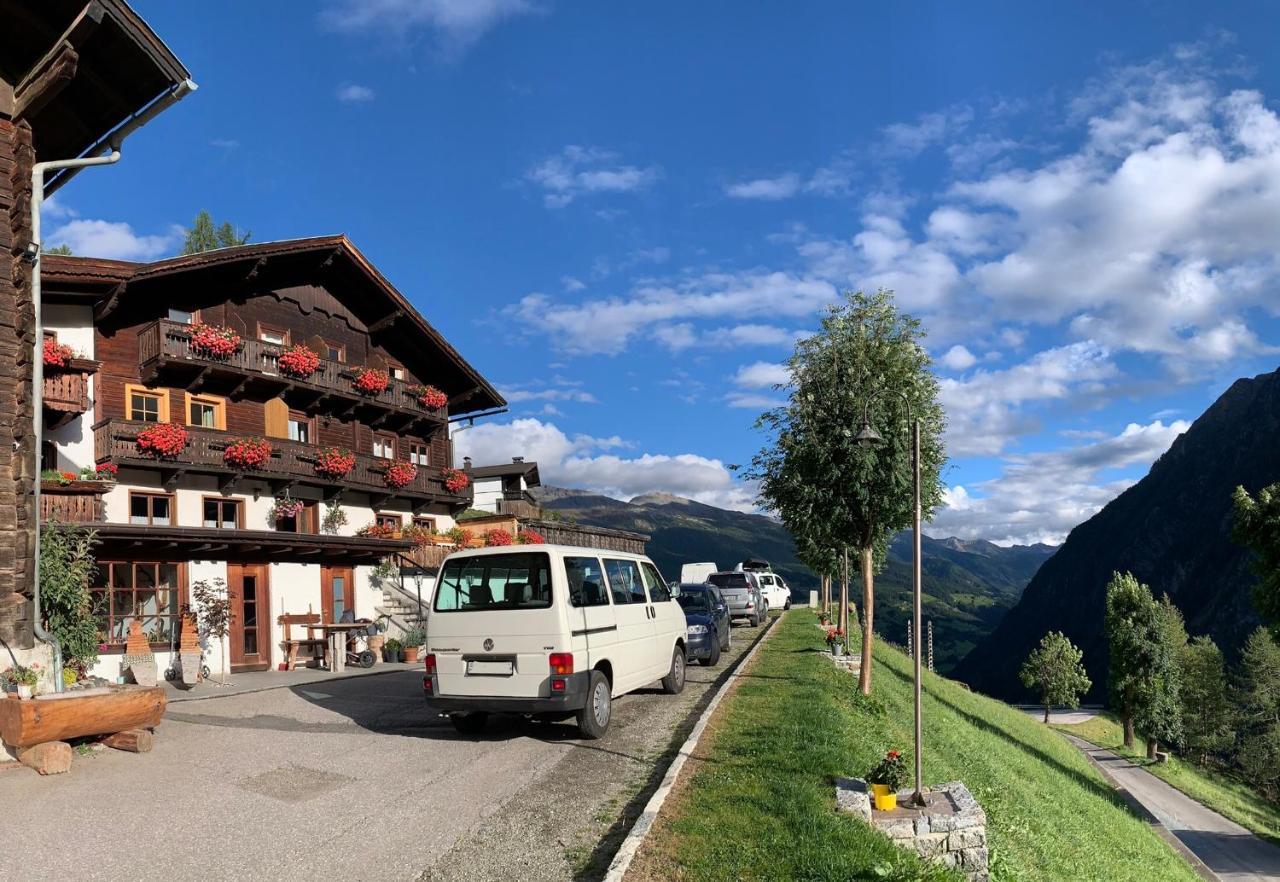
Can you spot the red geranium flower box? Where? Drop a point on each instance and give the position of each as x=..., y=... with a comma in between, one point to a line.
x=497, y=537
x=429, y=397
x=57, y=354
x=456, y=480
x=214, y=341
x=371, y=381
x=400, y=474
x=334, y=462
x=163, y=440
x=298, y=361
x=247, y=453
x=530, y=537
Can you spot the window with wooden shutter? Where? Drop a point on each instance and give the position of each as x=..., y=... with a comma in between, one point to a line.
x=276, y=417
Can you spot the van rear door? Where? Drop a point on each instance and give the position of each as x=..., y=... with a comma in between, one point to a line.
x=494, y=623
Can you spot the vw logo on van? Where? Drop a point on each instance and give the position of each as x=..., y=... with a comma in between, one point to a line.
x=488, y=644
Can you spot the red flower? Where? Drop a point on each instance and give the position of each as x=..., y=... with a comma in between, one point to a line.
x=893, y=754
x=371, y=381
x=214, y=341
x=497, y=537
x=107, y=468
x=400, y=474
x=429, y=397
x=57, y=354
x=298, y=361
x=334, y=462
x=377, y=531
x=456, y=480
x=247, y=453
x=530, y=537
x=163, y=440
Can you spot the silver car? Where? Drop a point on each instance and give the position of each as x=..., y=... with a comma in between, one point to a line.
x=742, y=593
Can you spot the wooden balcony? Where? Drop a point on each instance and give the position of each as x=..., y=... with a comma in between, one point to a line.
x=79, y=502
x=164, y=355
x=66, y=391
x=291, y=464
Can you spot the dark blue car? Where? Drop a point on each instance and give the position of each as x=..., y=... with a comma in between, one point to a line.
x=707, y=616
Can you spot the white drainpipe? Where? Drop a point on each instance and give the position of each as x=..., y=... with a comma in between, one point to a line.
x=113, y=142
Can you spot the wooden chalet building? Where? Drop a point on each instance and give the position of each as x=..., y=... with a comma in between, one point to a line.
x=191, y=509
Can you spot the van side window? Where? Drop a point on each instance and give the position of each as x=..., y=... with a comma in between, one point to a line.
x=658, y=590
x=586, y=581
x=625, y=582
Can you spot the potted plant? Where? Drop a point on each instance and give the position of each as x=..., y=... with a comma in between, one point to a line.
x=162, y=440
x=392, y=650
x=370, y=381
x=247, y=453
x=455, y=480
x=284, y=508
x=429, y=396
x=496, y=536
x=334, y=462
x=214, y=341
x=400, y=474
x=457, y=536
x=298, y=361
x=377, y=642
x=835, y=640
x=413, y=640
x=824, y=619
x=886, y=778
x=56, y=355
x=23, y=680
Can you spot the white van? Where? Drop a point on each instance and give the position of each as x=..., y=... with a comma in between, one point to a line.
x=551, y=631
x=692, y=573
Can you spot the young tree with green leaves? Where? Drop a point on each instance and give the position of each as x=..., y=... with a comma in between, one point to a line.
x=830, y=491
x=1159, y=717
x=1258, y=703
x=66, y=565
x=1055, y=671
x=204, y=236
x=1207, y=714
x=1133, y=627
x=1257, y=527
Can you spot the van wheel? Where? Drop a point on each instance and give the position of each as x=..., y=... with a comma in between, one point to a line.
x=786, y=606
x=471, y=724
x=673, y=682
x=593, y=719
x=714, y=659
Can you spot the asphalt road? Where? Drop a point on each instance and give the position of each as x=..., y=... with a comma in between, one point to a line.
x=1229, y=850
x=350, y=780
x=1061, y=716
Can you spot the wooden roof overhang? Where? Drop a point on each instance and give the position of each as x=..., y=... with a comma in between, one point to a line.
x=137, y=542
x=256, y=268
x=78, y=69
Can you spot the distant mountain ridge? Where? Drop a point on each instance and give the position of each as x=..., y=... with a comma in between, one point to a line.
x=1171, y=530
x=968, y=585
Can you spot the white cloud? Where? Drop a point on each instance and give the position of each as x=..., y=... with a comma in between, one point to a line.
x=1039, y=497
x=753, y=400
x=958, y=358
x=456, y=23
x=579, y=462
x=762, y=375
x=782, y=187
x=518, y=396
x=115, y=240
x=928, y=129
x=573, y=284
x=578, y=171
x=354, y=93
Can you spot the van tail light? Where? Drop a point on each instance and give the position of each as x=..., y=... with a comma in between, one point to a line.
x=430, y=663
x=561, y=663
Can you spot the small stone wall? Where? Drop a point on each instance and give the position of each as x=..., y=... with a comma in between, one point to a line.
x=950, y=830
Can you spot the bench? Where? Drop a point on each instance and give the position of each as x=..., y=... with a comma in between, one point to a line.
x=292, y=644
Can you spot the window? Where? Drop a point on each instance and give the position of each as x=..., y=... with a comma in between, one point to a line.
x=396, y=372
x=521, y=580
x=625, y=582
x=304, y=522
x=152, y=592
x=424, y=523
x=586, y=581
x=388, y=520
x=301, y=427
x=275, y=336
x=335, y=352
x=152, y=509
x=146, y=405
x=182, y=315
x=658, y=590
x=223, y=514
x=419, y=453
x=384, y=445
x=206, y=411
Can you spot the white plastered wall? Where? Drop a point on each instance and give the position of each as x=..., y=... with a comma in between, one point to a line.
x=74, y=326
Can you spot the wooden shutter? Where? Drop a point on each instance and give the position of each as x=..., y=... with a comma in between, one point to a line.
x=276, y=412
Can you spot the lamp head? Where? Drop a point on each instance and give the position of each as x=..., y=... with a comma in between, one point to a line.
x=867, y=436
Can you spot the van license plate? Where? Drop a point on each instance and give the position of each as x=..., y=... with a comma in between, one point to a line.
x=489, y=668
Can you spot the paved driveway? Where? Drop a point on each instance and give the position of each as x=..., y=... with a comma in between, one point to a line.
x=348, y=780
x=1061, y=716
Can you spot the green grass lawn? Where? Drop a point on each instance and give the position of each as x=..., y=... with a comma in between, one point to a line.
x=761, y=803
x=1225, y=795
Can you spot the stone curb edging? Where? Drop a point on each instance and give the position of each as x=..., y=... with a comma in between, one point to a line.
x=640, y=829
x=1141, y=810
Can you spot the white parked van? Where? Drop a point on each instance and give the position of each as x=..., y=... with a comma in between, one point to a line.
x=551, y=631
x=691, y=573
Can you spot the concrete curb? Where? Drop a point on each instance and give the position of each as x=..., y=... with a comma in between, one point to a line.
x=640, y=830
x=1141, y=810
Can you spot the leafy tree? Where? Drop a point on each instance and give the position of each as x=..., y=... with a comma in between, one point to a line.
x=1206, y=711
x=1258, y=698
x=1159, y=717
x=830, y=491
x=211, y=603
x=1133, y=626
x=63, y=249
x=1257, y=527
x=1054, y=669
x=66, y=564
x=204, y=236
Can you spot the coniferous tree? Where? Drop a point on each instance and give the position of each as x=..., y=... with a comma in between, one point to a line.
x=1054, y=670
x=63, y=249
x=1207, y=728
x=1258, y=700
x=204, y=236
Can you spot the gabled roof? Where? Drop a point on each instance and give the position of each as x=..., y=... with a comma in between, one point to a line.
x=529, y=470
x=293, y=259
x=80, y=68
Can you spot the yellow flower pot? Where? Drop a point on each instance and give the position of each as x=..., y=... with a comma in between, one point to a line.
x=886, y=798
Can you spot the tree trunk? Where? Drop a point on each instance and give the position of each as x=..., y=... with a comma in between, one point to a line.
x=826, y=594
x=1152, y=747
x=842, y=614
x=1046, y=712
x=868, y=619
x=1128, y=728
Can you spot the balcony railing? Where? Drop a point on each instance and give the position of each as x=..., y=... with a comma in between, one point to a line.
x=165, y=344
x=66, y=390
x=290, y=463
x=79, y=502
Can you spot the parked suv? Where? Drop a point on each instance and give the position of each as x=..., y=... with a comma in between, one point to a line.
x=742, y=593
x=549, y=631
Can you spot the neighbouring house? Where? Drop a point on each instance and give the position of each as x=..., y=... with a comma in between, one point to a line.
x=504, y=489
x=75, y=77
x=278, y=417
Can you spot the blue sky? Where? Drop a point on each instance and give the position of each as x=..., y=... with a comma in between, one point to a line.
x=624, y=214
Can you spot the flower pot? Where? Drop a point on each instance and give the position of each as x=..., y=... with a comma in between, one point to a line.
x=389, y=655
x=25, y=691
x=837, y=649
x=886, y=798
x=410, y=654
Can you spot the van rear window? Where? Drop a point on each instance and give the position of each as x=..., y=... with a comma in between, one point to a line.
x=728, y=580
x=495, y=582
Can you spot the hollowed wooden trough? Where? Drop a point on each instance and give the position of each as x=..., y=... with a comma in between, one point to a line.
x=79, y=714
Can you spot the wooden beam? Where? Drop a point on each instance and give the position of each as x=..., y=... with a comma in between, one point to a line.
x=234, y=394
x=257, y=268
x=386, y=321
x=333, y=494
x=169, y=477
x=108, y=306
x=463, y=396
x=227, y=483
x=196, y=383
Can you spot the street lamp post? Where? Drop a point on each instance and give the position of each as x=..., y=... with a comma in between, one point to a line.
x=866, y=437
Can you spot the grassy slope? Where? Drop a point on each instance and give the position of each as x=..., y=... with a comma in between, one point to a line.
x=761, y=804
x=1227, y=796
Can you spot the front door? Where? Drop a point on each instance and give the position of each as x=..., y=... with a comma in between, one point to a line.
x=336, y=592
x=250, y=633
